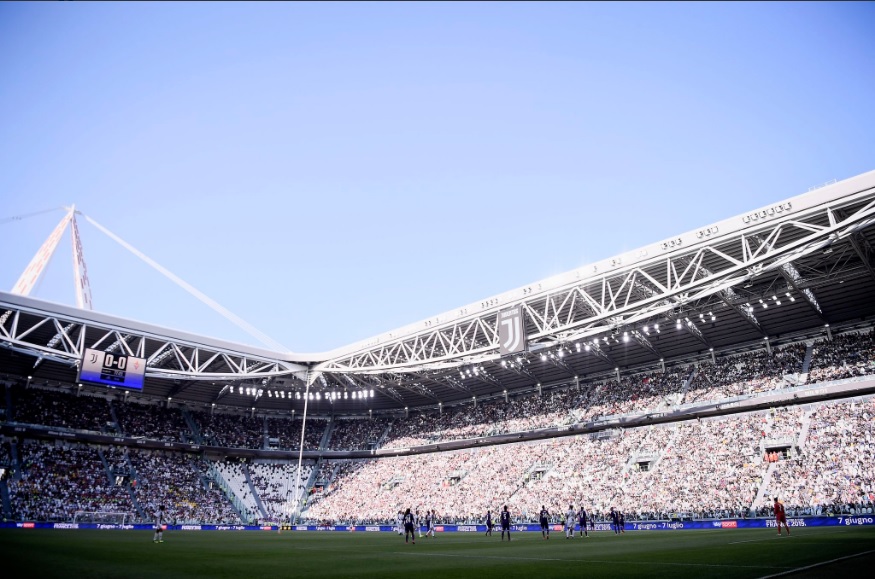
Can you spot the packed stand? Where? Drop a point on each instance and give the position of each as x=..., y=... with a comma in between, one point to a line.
x=632, y=394
x=153, y=421
x=845, y=356
x=745, y=374
x=460, y=486
x=288, y=432
x=836, y=472
x=59, y=479
x=711, y=469
x=230, y=430
x=61, y=409
x=357, y=434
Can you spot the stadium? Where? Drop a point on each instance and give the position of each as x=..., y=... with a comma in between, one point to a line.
x=684, y=383
x=686, y=389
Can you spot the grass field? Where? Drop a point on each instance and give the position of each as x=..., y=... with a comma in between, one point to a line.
x=242, y=554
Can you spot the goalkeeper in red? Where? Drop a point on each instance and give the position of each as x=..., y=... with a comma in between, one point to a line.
x=780, y=516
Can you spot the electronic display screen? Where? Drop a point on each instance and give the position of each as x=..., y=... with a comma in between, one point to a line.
x=112, y=369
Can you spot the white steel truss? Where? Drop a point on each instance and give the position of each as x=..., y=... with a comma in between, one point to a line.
x=63, y=339
x=610, y=296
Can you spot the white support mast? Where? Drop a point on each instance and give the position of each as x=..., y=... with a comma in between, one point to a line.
x=37, y=266
x=80, y=270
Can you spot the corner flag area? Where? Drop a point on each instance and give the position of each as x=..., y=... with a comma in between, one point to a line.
x=808, y=552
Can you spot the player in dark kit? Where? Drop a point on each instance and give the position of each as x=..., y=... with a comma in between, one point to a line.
x=489, y=524
x=505, y=523
x=615, y=521
x=622, y=518
x=581, y=516
x=408, y=526
x=780, y=516
x=544, y=519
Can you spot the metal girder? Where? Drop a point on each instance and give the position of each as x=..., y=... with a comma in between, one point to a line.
x=588, y=302
x=793, y=277
x=731, y=299
x=597, y=350
x=645, y=343
x=556, y=360
x=862, y=248
x=864, y=251
x=408, y=382
x=791, y=274
x=693, y=329
x=517, y=365
x=65, y=338
x=444, y=380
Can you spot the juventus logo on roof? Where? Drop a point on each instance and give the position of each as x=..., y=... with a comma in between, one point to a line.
x=511, y=331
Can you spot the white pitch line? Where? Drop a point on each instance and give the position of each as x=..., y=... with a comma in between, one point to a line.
x=612, y=562
x=815, y=565
x=807, y=534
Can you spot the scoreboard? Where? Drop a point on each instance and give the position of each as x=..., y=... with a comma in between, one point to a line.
x=100, y=367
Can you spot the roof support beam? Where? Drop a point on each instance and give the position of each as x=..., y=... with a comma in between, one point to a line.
x=791, y=274
x=864, y=252
x=645, y=343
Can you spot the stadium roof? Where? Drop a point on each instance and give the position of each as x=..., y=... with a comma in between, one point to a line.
x=780, y=272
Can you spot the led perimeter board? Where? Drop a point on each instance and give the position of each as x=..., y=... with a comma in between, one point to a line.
x=108, y=369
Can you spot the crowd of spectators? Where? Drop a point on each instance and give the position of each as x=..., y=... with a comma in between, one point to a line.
x=230, y=430
x=836, y=470
x=58, y=479
x=153, y=421
x=845, y=356
x=288, y=432
x=357, y=434
x=750, y=373
x=60, y=409
x=5, y=453
x=707, y=468
x=711, y=467
x=460, y=485
x=180, y=483
x=631, y=394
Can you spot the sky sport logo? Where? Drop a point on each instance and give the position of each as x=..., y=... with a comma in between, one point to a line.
x=511, y=332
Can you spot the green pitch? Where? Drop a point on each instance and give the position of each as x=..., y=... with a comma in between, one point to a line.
x=244, y=554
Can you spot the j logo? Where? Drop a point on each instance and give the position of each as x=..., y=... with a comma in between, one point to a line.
x=511, y=334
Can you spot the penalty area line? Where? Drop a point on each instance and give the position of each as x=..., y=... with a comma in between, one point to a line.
x=816, y=565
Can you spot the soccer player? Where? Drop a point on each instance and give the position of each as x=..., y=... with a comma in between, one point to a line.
x=408, y=526
x=159, y=525
x=431, y=523
x=417, y=522
x=544, y=519
x=489, y=524
x=615, y=521
x=581, y=516
x=505, y=523
x=780, y=516
x=622, y=518
x=569, y=522
x=399, y=523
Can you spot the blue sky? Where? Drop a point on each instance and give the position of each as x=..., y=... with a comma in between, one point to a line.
x=332, y=171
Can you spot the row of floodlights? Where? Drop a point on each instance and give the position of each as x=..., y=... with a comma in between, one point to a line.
x=764, y=303
x=331, y=396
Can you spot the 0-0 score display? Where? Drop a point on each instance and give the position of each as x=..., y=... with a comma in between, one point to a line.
x=112, y=369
